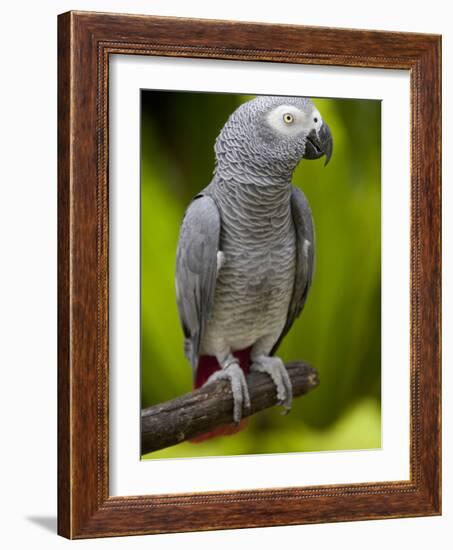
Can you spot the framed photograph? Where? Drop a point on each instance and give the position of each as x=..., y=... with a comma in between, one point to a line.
x=249, y=225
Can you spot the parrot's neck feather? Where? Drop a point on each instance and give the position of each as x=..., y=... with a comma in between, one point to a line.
x=254, y=201
x=243, y=173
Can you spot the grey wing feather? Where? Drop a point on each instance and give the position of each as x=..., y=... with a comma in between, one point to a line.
x=196, y=271
x=305, y=258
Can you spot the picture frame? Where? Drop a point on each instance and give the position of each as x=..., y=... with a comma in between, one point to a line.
x=86, y=41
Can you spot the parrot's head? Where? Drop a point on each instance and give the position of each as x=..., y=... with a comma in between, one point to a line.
x=270, y=135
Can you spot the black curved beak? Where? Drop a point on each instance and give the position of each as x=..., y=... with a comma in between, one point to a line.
x=319, y=143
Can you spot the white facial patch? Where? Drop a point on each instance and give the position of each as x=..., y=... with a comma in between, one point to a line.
x=290, y=120
x=316, y=119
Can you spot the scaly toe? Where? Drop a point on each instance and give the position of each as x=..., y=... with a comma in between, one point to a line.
x=241, y=398
x=275, y=368
x=287, y=402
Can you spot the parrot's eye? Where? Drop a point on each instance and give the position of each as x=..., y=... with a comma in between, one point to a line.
x=288, y=118
x=315, y=120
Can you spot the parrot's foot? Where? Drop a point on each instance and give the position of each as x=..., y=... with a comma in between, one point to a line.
x=232, y=371
x=275, y=368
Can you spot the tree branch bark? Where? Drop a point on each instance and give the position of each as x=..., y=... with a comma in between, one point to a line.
x=210, y=406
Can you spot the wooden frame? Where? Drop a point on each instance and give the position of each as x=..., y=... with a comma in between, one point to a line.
x=85, y=41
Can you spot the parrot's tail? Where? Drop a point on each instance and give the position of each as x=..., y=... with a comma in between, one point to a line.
x=207, y=365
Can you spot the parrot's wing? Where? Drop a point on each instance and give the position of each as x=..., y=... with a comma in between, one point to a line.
x=196, y=270
x=305, y=258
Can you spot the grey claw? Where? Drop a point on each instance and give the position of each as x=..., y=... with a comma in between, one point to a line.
x=245, y=392
x=275, y=368
x=287, y=402
x=235, y=375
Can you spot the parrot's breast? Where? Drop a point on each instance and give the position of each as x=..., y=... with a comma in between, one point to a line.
x=255, y=283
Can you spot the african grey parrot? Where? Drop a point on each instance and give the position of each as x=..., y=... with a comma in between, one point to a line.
x=245, y=255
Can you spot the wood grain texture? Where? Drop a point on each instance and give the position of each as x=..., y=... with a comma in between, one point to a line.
x=85, y=42
x=211, y=406
x=64, y=369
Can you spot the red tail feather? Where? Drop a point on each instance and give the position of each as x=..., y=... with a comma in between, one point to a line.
x=207, y=365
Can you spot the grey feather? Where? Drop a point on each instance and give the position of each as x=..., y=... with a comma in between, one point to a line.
x=196, y=270
x=305, y=258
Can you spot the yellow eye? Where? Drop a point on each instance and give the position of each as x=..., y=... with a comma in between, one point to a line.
x=288, y=118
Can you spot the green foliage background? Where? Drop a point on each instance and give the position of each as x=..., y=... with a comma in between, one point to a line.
x=339, y=329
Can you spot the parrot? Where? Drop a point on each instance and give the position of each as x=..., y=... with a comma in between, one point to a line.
x=246, y=251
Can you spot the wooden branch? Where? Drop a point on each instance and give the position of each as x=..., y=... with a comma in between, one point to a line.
x=211, y=406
